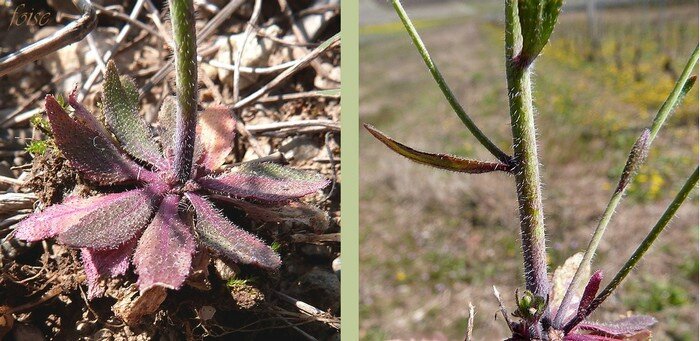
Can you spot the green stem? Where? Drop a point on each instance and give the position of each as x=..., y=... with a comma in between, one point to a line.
x=526, y=164
x=447, y=92
x=671, y=210
x=183, y=21
x=681, y=88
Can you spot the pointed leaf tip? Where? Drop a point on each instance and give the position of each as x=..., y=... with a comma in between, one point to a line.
x=626, y=327
x=59, y=218
x=441, y=161
x=121, y=113
x=228, y=240
x=589, y=292
x=90, y=153
x=116, y=221
x=163, y=256
x=85, y=116
x=636, y=158
x=266, y=182
x=537, y=20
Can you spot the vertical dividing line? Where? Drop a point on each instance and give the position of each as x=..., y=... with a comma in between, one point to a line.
x=349, y=196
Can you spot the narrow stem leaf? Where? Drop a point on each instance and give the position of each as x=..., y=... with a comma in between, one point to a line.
x=442, y=84
x=442, y=161
x=182, y=17
x=635, y=159
x=643, y=247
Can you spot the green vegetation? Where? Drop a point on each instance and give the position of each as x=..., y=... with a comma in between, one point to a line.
x=587, y=120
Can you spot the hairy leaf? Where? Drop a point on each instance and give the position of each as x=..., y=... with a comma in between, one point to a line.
x=164, y=254
x=291, y=212
x=105, y=263
x=114, y=223
x=637, y=155
x=537, y=21
x=583, y=337
x=121, y=114
x=628, y=326
x=442, y=161
x=166, y=118
x=228, y=240
x=590, y=291
x=85, y=117
x=90, y=153
x=267, y=182
x=215, y=133
x=59, y=218
x=561, y=279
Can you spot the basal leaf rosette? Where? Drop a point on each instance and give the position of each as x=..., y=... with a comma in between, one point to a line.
x=146, y=225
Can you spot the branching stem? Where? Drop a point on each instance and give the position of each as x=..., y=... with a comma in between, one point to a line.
x=643, y=247
x=683, y=85
x=526, y=164
x=447, y=92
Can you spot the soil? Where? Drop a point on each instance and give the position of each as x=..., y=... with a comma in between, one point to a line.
x=42, y=285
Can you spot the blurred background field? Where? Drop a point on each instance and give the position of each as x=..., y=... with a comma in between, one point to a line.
x=433, y=241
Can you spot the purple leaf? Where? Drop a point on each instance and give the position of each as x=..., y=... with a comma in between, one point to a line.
x=215, y=133
x=164, y=254
x=294, y=211
x=90, y=153
x=105, y=263
x=628, y=326
x=584, y=337
x=85, y=117
x=442, y=161
x=121, y=114
x=589, y=292
x=228, y=240
x=59, y=218
x=266, y=182
x=117, y=221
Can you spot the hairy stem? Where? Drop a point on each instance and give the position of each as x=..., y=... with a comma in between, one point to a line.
x=442, y=84
x=681, y=88
x=666, y=217
x=634, y=161
x=683, y=85
x=526, y=164
x=182, y=17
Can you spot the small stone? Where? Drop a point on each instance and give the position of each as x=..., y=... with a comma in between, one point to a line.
x=320, y=288
x=27, y=332
x=300, y=148
x=206, y=312
x=83, y=327
x=224, y=271
x=336, y=266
